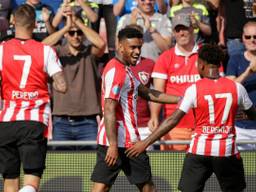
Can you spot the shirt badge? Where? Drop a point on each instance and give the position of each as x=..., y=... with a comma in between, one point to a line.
x=116, y=90
x=144, y=77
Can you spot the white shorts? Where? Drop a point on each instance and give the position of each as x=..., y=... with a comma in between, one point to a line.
x=246, y=134
x=144, y=133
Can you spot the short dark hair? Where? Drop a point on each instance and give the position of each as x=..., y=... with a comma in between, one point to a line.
x=128, y=33
x=25, y=16
x=211, y=54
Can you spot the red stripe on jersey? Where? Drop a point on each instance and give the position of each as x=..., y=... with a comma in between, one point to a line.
x=195, y=144
x=208, y=145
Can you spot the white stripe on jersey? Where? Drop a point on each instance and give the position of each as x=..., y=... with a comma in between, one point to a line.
x=21, y=114
x=34, y=113
x=108, y=81
x=52, y=64
x=201, y=145
x=47, y=112
x=101, y=132
x=1, y=57
x=10, y=111
x=159, y=75
x=215, y=150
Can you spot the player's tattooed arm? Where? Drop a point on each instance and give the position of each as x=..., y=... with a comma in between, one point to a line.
x=110, y=125
x=157, y=96
x=59, y=83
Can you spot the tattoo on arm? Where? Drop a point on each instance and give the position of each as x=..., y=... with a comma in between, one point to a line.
x=59, y=82
x=110, y=120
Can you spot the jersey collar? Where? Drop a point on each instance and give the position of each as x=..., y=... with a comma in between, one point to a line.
x=180, y=53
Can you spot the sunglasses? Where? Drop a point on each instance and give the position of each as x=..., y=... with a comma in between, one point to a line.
x=78, y=33
x=250, y=37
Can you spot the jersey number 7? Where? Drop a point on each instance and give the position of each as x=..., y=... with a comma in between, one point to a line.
x=26, y=68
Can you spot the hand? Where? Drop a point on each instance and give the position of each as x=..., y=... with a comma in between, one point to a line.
x=112, y=155
x=138, y=148
x=146, y=19
x=68, y=22
x=153, y=123
x=46, y=14
x=194, y=20
x=134, y=15
x=66, y=10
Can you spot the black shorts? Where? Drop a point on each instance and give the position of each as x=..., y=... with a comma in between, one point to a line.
x=22, y=142
x=197, y=169
x=137, y=170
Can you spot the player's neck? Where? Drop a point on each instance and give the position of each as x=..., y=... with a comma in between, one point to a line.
x=120, y=58
x=212, y=73
x=23, y=34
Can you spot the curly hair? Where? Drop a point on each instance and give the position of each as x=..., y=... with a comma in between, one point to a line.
x=211, y=54
x=129, y=32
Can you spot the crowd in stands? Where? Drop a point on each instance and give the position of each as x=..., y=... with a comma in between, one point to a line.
x=168, y=59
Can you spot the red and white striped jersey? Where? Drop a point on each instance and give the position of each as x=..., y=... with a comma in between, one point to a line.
x=25, y=67
x=215, y=103
x=118, y=83
x=179, y=71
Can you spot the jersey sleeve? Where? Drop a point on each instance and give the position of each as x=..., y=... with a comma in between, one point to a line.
x=113, y=83
x=160, y=69
x=52, y=62
x=189, y=99
x=244, y=101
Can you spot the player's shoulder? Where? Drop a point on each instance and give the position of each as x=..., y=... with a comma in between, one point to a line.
x=114, y=64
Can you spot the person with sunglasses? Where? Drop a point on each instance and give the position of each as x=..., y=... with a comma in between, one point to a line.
x=241, y=68
x=76, y=112
x=157, y=28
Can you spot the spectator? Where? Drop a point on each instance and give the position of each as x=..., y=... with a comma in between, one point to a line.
x=122, y=7
x=24, y=69
x=76, y=112
x=231, y=32
x=213, y=149
x=156, y=27
x=105, y=11
x=118, y=128
x=83, y=9
x=5, y=10
x=240, y=69
x=199, y=17
x=174, y=71
x=44, y=16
